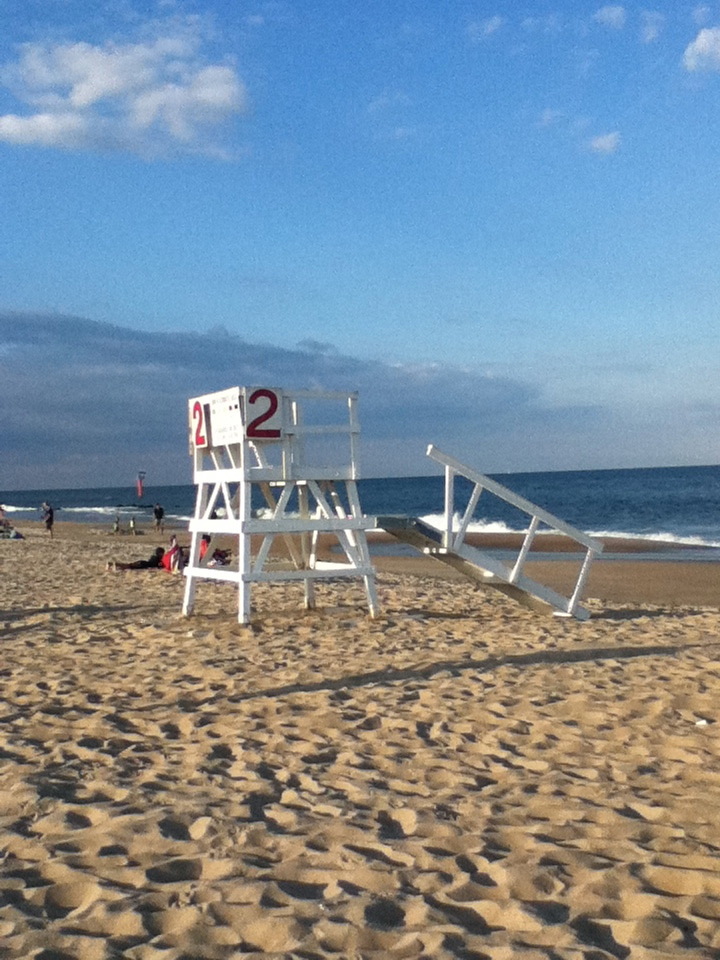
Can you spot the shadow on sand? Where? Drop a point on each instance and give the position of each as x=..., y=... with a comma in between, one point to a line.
x=389, y=676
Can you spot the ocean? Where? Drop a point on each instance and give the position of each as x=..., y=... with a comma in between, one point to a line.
x=676, y=504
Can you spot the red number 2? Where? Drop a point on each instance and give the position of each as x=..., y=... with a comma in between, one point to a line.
x=198, y=415
x=254, y=429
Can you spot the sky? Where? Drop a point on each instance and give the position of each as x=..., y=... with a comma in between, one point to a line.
x=499, y=222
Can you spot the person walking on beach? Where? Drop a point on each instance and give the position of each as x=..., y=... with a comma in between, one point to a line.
x=159, y=514
x=48, y=518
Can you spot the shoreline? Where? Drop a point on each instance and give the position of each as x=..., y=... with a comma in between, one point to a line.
x=543, y=542
x=644, y=577
x=557, y=543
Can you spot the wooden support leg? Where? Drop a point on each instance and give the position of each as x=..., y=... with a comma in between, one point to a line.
x=371, y=593
x=201, y=502
x=189, y=598
x=306, y=546
x=579, y=586
x=244, y=557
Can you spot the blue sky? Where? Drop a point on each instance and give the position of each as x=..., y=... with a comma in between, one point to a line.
x=506, y=214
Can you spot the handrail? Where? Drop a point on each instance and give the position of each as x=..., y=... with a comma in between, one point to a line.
x=515, y=499
x=454, y=541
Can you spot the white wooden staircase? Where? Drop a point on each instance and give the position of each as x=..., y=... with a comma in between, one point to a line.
x=448, y=545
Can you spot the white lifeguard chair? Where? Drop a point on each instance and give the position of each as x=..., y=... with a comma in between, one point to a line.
x=298, y=450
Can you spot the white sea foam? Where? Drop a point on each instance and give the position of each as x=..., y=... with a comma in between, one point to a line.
x=659, y=537
x=437, y=520
x=485, y=526
x=103, y=511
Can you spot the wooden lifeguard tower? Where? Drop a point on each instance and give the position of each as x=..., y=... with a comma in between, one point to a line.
x=294, y=454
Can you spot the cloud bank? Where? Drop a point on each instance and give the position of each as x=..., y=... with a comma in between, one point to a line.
x=88, y=404
x=152, y=96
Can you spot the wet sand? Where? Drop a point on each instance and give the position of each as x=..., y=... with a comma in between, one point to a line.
x=460, y=778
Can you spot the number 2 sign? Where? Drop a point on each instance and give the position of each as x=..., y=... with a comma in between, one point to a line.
x=263, y=413
x=229, y=416
x=198, y=426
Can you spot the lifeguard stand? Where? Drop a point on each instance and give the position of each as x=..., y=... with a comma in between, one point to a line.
x=298, y=450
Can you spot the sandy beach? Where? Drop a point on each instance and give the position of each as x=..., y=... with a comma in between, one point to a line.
x=459, y=778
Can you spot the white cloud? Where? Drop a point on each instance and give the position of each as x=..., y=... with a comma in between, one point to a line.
x=701, y=14
x=388, y=101
x=549, y=24
x=550, y=117
x=485, y=28
x=155, y=96
x=605, y=143
x=387, y=113
x=44, y=129
x=403, y=133
x=704, y=52
x=651, y=25
x=611, y=16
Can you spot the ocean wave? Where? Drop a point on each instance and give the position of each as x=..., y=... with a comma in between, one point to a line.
x=437, y=520
x=102, y=511
x=89, y=513
x=485, y=526
x=660, y=537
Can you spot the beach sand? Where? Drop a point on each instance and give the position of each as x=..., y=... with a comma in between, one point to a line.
x=460, y=778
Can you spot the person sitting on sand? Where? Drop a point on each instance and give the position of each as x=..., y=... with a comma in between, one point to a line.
x=10, y=533
x=174, y=558
x=7, y=531
x=219, y=558
x=153, y=562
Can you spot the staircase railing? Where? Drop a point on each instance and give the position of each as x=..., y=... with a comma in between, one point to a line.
x=453, y=539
